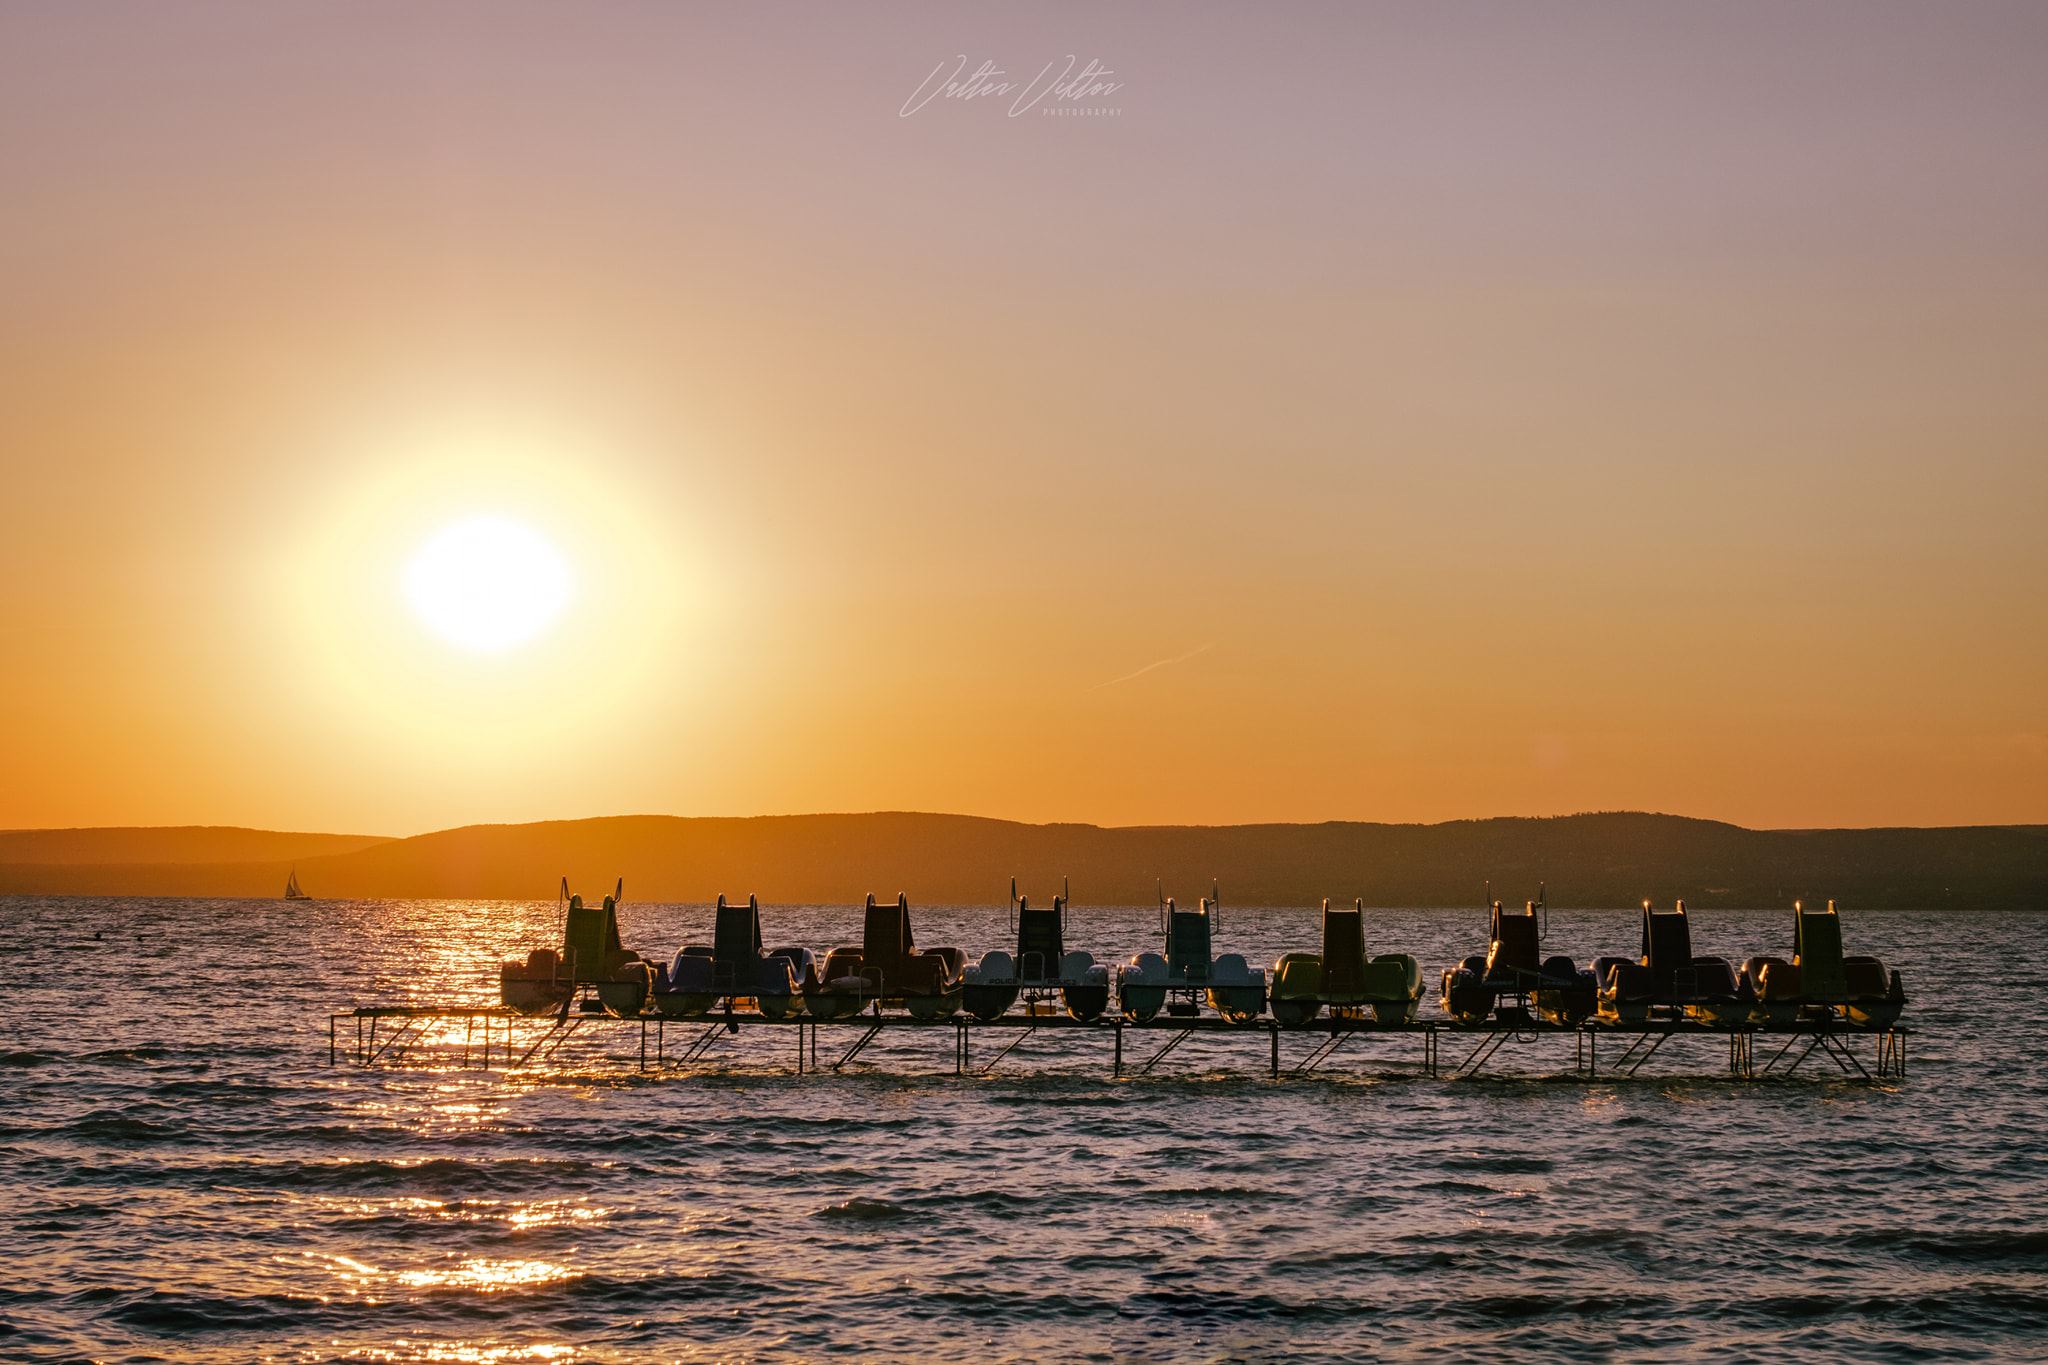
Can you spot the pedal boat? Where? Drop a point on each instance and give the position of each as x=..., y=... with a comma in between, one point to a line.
x=1668, y=981
x=734, y=970
x=1188, y=973
x=1342, y=978
x=887, y=970
x=591, y=964
x=1819, y=980
x=1513, y=981
x=1043, y=972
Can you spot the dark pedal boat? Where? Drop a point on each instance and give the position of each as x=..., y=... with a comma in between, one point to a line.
x=733, y=971
x=1043, y=972
x=1819, y=982
x=1669, y=981
x=1513, y=981
x=1190, y=972
x=887, y=970
x=1342, y=979
x=592, y=965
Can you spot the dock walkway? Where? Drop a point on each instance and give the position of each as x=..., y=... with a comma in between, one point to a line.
x=493, y=1036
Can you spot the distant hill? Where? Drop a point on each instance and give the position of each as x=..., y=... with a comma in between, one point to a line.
x=172, y=844
x=1607, y=859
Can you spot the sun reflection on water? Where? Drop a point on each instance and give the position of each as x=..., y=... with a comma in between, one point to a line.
x=520, y=1214
x=476, y=1273
x=462, y=1353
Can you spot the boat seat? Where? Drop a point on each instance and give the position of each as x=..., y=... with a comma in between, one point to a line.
x=690, y=972
x=1147, y=969
x=1713, y=976
x=1864, y=978
x=1774, y=978
x=1231, y=970
x=841, y=972
x=1623, y=978
x=995, y=965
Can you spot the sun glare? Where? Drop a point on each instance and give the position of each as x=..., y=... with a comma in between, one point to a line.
x=487, y=584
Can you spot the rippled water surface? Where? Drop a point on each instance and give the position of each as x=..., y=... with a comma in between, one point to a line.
x=186, y=1177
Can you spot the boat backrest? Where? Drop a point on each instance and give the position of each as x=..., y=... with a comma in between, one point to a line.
x=590, y=937
x=1188, y=951
x=1817, y=951
x=1515, y=943
x=1343, y=950
x=885, y=938
x=736, y=941
x=1667, y=943
x=1041, y=939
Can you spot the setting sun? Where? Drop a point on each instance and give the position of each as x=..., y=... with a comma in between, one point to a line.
x=487, y=584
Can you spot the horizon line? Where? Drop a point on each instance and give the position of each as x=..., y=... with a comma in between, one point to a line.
x=1011, y=820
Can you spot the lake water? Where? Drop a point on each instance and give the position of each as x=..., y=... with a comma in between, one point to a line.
x=185, y=1177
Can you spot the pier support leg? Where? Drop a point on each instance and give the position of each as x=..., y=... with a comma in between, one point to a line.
x=1024, y=1033
x=1662, y=1038
x=860, y=1043
x=1171, y=1044
x=1273, y=1030
x=1479, y=1056
x=1891, y=1054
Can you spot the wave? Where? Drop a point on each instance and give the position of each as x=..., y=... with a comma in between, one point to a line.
x=2025, y=1246
x=866, y=1211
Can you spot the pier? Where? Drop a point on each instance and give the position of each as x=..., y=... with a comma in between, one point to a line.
x=494, y=1037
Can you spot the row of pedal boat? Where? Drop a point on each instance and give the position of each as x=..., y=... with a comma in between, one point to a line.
x=1512, y=982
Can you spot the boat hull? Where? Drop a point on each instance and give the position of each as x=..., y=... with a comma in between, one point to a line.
x=683, y=1004
x=789, y=1005
x=623, y=998
x=1087, y=1000
x=987, y=1000
x=1141, y=1003
x=534, y=997
x=1238, y=1004
x=1294, y=1011
x=1396, y=1011
x=930, y=1009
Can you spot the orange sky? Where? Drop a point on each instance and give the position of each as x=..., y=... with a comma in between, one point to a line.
x=1482, y=410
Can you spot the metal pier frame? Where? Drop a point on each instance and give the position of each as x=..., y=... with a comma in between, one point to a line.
x=388, y=1035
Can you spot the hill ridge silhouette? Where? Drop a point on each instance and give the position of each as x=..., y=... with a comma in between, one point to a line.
x=1606, y=858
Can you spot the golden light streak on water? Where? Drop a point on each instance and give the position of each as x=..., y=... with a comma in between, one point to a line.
x=478, y=1273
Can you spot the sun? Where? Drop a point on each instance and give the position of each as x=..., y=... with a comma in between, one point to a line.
x=487, y=584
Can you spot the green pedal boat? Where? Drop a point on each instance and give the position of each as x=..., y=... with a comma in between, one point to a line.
x=1343, y=979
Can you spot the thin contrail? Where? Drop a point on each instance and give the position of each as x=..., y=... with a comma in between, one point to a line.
x=1156, y=663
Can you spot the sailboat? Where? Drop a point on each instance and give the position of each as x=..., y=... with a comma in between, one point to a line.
x=291, y=888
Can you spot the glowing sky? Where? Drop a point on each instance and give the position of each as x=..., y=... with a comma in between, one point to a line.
x=1390, y=412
